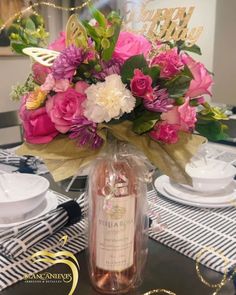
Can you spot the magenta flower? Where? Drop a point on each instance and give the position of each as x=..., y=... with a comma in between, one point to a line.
x=167, y=133
x=169, y=62
x=110, y=67
x=66, y=63
x=161, y=101
x=85, y=132
x=141, y=85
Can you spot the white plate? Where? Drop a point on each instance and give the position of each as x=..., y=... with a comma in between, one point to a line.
x=192, y=199
x=48, y=204
x=223, y=196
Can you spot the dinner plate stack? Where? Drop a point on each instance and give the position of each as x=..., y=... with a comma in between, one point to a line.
x=24, y=197
x=213, y=185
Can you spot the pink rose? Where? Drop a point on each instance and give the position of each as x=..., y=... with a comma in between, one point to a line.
x=184, y=116
x=202, y=82
x=38, y=127
x=141, y=85
x=40, y=73
x=130, y=44
x=169, y=62
x=59, y=44
x=81, y=86
x=63, y=107
x=165, y=132
x=56, y=85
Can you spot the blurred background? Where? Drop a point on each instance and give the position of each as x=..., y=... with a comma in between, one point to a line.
x=217, y=42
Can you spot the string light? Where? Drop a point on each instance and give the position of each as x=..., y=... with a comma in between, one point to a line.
x=226, y=261
x=20, y=13
x=159, y=291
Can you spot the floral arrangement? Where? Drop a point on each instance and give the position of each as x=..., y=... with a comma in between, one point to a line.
x=108, y=76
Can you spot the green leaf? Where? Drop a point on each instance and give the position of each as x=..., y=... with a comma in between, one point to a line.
x=29, y=24
x=195, y=49
x=100, y=18
x=186, y=72
x=145, y=122
x=178, y=86
x=154, y=73
x=213, y=130
x=107, y=53
x=18, y=47
x=92, y=33
x=134, y=62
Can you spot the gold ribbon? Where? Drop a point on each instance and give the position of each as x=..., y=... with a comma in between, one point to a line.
x=64, y=158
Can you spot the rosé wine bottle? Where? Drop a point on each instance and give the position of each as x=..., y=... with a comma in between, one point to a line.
x=117, y=212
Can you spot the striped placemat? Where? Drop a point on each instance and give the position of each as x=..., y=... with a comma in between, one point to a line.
x=189, y=230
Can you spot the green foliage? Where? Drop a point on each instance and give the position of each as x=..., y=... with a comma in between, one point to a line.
x=98, y=16
x=145, y=122
x=212, y=113
x=213, y=130
x=106, y=33
x=27, y=32
x=178, y=85
x=195, y=49
x=210, y=124
x=154, y=73
x=19, y=90
x=134, y=62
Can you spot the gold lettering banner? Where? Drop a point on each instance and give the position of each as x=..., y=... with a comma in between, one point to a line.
x=168, y=24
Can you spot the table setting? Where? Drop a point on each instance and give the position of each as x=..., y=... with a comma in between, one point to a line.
x=124, y=113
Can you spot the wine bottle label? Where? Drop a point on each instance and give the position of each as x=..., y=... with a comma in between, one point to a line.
x=115, y=230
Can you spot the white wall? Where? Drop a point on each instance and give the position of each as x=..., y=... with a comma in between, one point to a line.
x=13, y=70
x=225, y=53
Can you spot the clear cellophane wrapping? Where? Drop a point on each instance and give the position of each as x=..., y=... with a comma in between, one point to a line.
x=117, y=218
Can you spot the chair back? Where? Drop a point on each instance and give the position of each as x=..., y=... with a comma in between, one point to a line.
x=10, y=119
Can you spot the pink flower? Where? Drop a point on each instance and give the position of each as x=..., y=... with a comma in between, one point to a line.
x=63, y=107
x=165, y=132
x=130, y=44
x=170, y=63
x=202, y=82
x=38, y=127
x=48, y=84
x=61, y=85
x=56, y=85
x=81, y=86
x=184, y=116
x=59, y=44
x=40, y=73
x=141, y=85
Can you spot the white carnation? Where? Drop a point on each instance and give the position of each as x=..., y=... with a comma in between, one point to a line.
x=107, y=100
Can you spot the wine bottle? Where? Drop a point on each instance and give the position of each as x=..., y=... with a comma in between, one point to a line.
x=116, y=225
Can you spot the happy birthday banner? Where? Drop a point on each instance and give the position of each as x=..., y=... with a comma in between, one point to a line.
x=167, y=24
